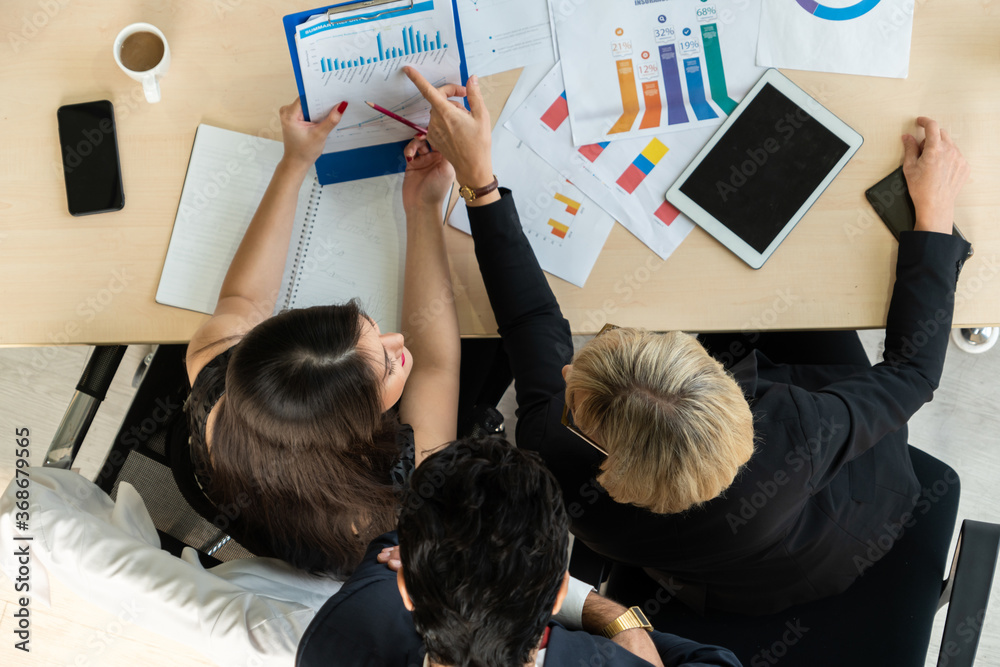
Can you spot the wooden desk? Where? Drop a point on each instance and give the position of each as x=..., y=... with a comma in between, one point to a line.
x=66, y=280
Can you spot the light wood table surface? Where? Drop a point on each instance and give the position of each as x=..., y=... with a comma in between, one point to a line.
x=66, y=280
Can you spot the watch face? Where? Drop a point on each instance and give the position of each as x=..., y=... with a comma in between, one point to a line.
x=642, y=617
x=467, y=193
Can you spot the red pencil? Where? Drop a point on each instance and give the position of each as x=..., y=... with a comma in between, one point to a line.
x=422, y=130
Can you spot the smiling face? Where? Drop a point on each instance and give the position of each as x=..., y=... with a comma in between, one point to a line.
x=390, y=356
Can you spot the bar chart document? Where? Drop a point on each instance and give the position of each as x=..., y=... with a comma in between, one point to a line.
x=628, y=178
x=635, y=70
x=844, y=36
x=357, y=57
x=565, y=228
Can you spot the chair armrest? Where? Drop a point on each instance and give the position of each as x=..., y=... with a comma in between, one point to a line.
x=91, y=390
x=967, y=592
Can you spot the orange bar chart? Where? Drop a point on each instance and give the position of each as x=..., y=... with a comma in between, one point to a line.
x=558, y=228
x=571, y=206
x=630, y=100
x=651, y=100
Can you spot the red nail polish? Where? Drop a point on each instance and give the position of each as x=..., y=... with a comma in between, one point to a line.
x=342, y=106
x=409, y=159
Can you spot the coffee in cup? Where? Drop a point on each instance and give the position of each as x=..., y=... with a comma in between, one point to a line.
x=142, y=52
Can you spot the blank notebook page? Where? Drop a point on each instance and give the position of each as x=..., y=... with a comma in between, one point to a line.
x=355, y=246
x=226, y=179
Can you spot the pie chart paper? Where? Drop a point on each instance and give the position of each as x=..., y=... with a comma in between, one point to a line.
x=870, y=37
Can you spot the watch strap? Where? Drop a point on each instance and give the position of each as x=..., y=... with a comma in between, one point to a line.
x=471, y=194
x=631, y=619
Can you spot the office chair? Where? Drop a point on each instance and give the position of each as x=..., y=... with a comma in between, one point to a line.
x=884, y=618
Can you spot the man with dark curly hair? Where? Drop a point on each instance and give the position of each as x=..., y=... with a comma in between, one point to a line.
x=483, y=536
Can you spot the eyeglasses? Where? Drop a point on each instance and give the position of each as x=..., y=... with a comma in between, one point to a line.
x=567, y=416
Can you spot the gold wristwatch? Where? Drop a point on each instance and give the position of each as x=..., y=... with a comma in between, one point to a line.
x=631, y=619
x=470, y=194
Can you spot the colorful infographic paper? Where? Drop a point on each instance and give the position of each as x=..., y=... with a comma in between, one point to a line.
x=644, y=69
x=360, y=58
x=628, y=179
x=564, y=227
x=845, y=36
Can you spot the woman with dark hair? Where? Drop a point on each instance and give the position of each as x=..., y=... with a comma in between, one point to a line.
x=292, y=419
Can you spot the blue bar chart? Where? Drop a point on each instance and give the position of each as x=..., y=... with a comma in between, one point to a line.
x=696, y=89
x=403, y=43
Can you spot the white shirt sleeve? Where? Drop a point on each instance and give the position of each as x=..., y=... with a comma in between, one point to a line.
x=250, y=611
x=571, y=614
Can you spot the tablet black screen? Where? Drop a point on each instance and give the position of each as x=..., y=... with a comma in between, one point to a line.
x=765, y=167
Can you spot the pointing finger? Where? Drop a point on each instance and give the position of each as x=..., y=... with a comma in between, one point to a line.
x=438, y=100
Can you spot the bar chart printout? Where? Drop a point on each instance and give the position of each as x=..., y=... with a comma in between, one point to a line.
x=412, y=42
x=627, y=178
x=360, y=55
x=566, y=230
x=559, y=229
x=634, y=70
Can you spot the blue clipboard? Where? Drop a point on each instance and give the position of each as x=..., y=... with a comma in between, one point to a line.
x=370, y=161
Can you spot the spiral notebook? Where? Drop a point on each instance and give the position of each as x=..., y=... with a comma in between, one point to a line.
x=348, y=240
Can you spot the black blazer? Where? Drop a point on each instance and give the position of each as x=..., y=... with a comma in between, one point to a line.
x=366, y=625
x=829, y=487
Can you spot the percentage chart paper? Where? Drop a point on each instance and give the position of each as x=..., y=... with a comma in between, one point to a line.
x=628, y=178
x=869, y=37
x=360, y=59
x=635, y=70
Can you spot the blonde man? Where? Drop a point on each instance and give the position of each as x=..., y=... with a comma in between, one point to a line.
x=775, y=480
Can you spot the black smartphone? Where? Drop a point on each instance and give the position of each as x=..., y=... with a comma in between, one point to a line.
x=891, y=200
x=89, y=145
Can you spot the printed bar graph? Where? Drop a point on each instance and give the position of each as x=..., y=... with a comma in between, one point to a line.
x=643, y=163
x=716, y=73
x=666, y=213
x=558, y=228
x=630, y=101
x=413, y=42
x=651, y=99
x=593, y=151
x=696, y=89
x=676, y=113
x=571, y=206
x=557, y=113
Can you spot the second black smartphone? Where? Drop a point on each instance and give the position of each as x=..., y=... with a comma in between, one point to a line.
x=891, y=199
x=89, y=145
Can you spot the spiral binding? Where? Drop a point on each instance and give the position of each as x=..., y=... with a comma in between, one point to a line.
x=312, y=208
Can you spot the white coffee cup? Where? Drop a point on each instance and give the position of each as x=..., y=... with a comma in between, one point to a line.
x=150, y=78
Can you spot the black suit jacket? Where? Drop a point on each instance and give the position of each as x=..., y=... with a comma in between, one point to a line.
x=829, y=487
x=366, y=625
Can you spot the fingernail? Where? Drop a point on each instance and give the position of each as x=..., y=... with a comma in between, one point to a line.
x=342, y=106
x=395, y=563
x=474, y=80
x=409, y=159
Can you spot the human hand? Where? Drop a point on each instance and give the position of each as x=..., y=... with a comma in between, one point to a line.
x=638, y=642
x=304, y=140
x=935, y=172
x=390, y=556
x=463, y=137
x=429, y=176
